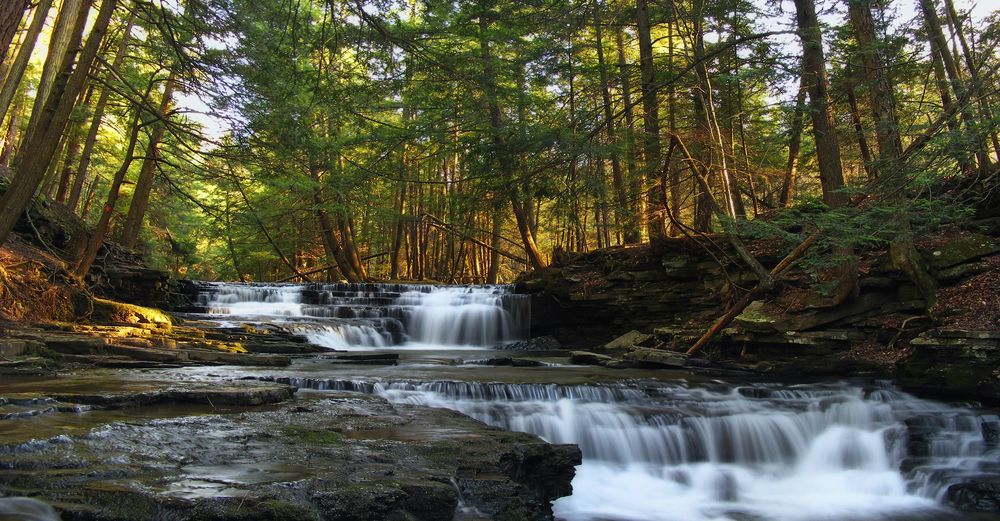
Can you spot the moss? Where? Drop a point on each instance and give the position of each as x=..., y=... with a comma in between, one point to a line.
x=312, y=436
x=110, y=311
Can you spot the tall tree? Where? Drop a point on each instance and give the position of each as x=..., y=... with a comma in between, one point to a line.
x=34, y=157
x=11, y=12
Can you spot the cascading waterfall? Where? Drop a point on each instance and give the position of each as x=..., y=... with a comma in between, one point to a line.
x=364, y=316
x=759, y=452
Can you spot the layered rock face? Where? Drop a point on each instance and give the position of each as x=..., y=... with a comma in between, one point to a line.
x=670, y=292
x=236, y=454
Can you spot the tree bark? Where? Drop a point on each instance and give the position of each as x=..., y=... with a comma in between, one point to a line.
x=831, y=171
x=11, y=12
x=98, y=116
x=144, y=184
x=65, y=31
x=20, y=63
x=794, y=143
x=650, y=123
x=33, y=159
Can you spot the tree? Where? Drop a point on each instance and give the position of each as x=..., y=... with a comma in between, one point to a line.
x=34, y=156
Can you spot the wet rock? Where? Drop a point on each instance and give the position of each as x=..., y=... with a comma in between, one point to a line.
x=991, y=433
x=12, y=347
x=506, y=362
x=981, y=495
x=588, y=358
x=541, y=343
x=342, y=457
x=657, y=357
x=26, y=509
x=629, y=340
x=109, y=311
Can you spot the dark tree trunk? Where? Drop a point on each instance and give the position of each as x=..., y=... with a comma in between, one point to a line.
x=11, y=12
x=144, y=184
x=650, y=124
x=31, y=166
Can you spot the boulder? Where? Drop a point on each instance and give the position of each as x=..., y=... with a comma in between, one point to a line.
x=975, y=496
x=541, y=343
x=628, y=340
x=111, y=312
x=961, y=250
x=657, y=357
x=588, y=358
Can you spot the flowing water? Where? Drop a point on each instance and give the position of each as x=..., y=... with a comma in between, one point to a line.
x=656, y=445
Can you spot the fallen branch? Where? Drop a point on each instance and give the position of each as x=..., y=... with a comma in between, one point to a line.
x=738, y=308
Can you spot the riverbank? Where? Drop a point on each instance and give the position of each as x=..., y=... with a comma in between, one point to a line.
x=650, y=303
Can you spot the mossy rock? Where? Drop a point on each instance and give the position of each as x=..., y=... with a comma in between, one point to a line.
x=111, y=312
x=961, y=250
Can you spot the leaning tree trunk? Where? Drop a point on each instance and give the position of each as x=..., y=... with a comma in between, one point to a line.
x=11, y=12
x=20, y=63
x=65, y=31
x=100, y=232
x=95, y=123
x=144, y=184
x=933, y=25
x=33, y=158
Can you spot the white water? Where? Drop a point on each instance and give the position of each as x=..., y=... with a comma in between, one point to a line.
x=367, y=316
x=673, y=453
x=652, y=450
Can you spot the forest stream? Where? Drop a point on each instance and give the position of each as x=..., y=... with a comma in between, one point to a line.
x=656, y=444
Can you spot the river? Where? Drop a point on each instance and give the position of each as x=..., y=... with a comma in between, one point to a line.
x=657, y=445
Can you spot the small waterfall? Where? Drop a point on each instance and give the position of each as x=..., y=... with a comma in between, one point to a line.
x=366, y=316
x=678, y=453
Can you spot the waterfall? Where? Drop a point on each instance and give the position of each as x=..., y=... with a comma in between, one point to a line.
x=672, y=452
x=370, y=316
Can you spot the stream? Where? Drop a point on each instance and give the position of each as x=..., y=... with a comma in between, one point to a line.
x=657, y=445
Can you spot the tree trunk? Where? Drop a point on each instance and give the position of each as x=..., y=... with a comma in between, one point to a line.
x=144, y=184
x=637, y=204
x=95, y=124
x=13, y=128
x=630, y=228
x=970, y=62
x=859, y=130
x=650, y=123
x=107, y=213
x=794, y=143
x=33, y=159
x=500, y=141
x=11, y=12
x=902, y=252
x=20, y=63
x=933, y=25
x=65, y=31
x=72, y=150
x=831, y=171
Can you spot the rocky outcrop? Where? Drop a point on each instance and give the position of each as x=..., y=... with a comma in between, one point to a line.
x=954, y=360
x=592, y=298
x=341, y=456
x=647, y=304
